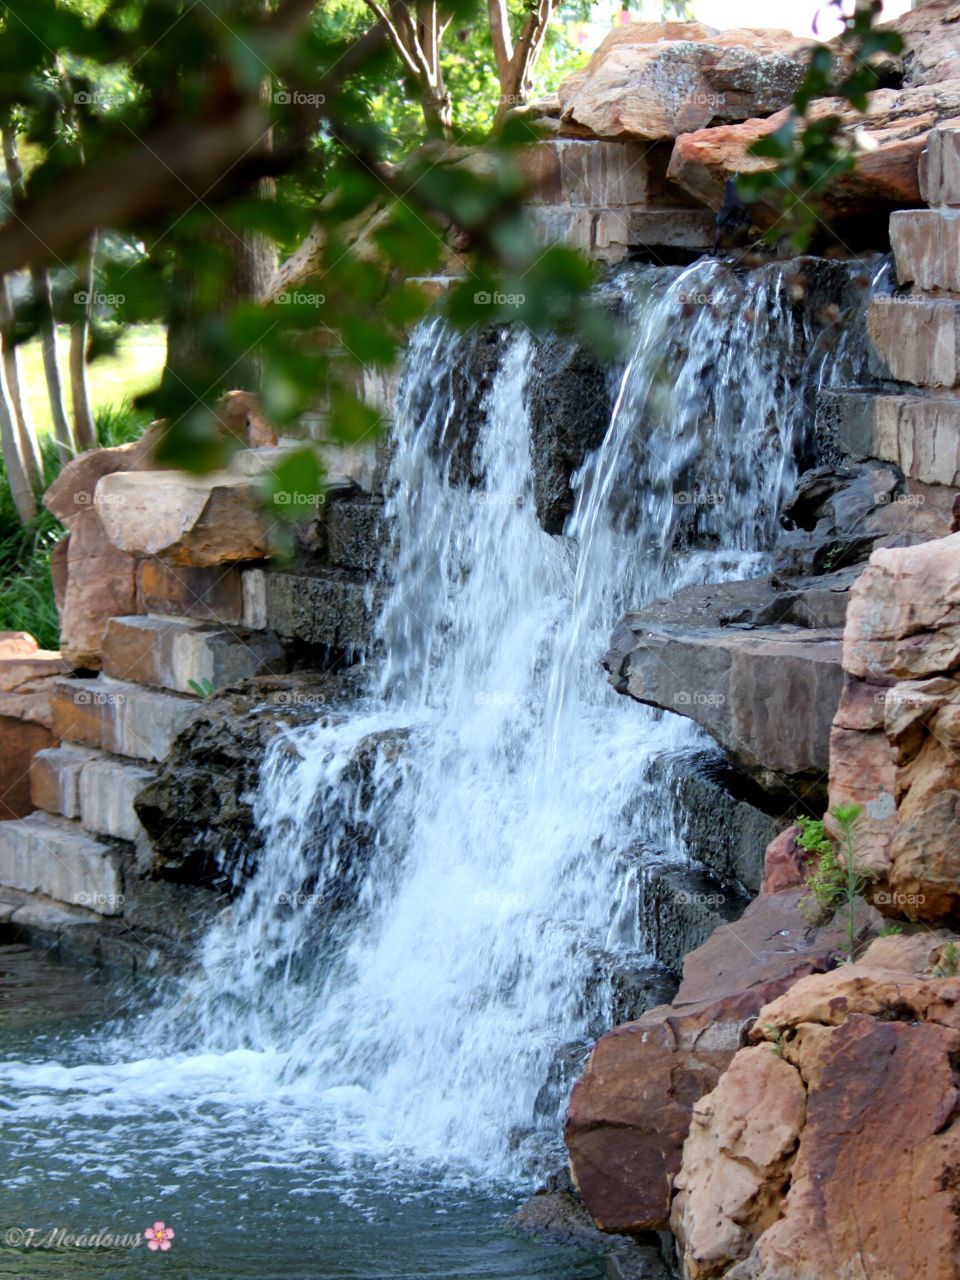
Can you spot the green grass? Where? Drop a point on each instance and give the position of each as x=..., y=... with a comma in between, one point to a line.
x=134, y=368
x=26, y=588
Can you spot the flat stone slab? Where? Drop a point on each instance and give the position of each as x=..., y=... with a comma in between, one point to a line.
x=336, y=608
x=926, y=247
x=182, y=655
x=55, y=778
x=939, y=168
x=108, y=788
x=766, y=695
x=919, y=431
x=208, y=594
x=916, y=339
x=124, y=719
x=56, y=857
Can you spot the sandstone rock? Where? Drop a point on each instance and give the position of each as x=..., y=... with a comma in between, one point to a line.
x=939, y=171
x=101, y=583
x=785, y=863
x=208, y=595
x=72, y=491
x=183, y=655
x=124, y=719
x=926, y=247
x=20, y=742
x=26, y=673
x=931, y=52
x=240, y=415
x=653, y=81
x=883, y=178
x=916, y=339
x=811, y=1109
x=736, y=1158
x=630, y=1111
x=903, y=620
x=919, y=431
x=187, y=520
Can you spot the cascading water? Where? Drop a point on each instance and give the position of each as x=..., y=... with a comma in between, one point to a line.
x=508, y=775
x=444, y=890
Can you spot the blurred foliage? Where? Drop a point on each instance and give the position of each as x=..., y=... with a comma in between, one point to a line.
x=811, y=153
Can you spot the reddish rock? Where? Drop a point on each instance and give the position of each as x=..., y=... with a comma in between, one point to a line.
x=101, y=583
x=931, y=40
x=72, y=491
x=19, y=743
x=926, y=247
x=916, y=339
x=181, y=591
x=884, y=177
x=27, y=673
x=785, y=864
x=654, y=80
x=852, y=1101
x=630, y=1111
x=241, y=417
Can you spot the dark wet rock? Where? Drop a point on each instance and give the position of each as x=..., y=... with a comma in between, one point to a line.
x=198, y=814
x=680, y=905
x=569, y=405
x=557, y=1213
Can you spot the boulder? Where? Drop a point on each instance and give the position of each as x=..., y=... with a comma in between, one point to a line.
x=630, y=1111
x=884, y=177
x=196, y=521
x=651, y=81
x=931, y=44
x=810, y=1108
x=785, y=863
x=101, y=583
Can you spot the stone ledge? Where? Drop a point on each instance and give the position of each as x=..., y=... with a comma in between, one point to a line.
x=918, y=431
x=916, y=340
x=124, y=719
x=56, y=857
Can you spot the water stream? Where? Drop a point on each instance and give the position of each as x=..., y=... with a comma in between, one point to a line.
x=446, y=886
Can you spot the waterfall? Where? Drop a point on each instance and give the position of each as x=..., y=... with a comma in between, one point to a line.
x=447, y=908
x=480, y=837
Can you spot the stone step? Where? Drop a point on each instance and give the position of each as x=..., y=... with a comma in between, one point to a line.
x=335, y=608
x=940, y=168
x=56, y=857
x=355, y=534
x=96, y=788
x=916, y=339
x=124, y=719
x=183, y=591
x=55, y=778
x=186, y=656
x=926, y=247
x=919, y=431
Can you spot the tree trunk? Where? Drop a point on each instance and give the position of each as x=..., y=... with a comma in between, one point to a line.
x=24, y=497
x=83, y=420
x=66, y=441
x=44, y=299
x=29, y=446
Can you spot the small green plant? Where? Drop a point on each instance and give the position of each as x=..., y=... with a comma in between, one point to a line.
x=837, y=882
x=776, y=1037
x=890, y=931
x=949, y=966
x=825, y=884
x=204, y=688
x=846, y=817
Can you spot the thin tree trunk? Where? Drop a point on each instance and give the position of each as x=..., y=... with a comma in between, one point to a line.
x=48, y=328
x=24, y=498
x=66, y=441
x=29, y=446
x=83, y=420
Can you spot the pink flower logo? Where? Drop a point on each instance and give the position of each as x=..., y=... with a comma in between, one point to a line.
x=159, y=1236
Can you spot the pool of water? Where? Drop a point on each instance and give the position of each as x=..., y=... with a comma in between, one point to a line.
x=98, y=1143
